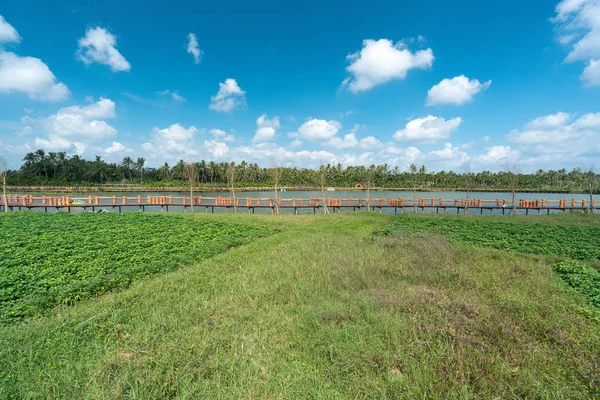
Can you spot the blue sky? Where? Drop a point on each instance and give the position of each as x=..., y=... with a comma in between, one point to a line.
x=439, y=83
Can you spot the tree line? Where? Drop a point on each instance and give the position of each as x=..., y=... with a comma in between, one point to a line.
x=58, y=168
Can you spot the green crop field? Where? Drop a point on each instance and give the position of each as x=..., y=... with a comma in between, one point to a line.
x=58, y=259
x=569, y=240
x=314, y=306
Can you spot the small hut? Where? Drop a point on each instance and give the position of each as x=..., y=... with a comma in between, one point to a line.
x=360, y=185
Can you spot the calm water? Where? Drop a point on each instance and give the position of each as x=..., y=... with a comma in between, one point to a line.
x=336, y=194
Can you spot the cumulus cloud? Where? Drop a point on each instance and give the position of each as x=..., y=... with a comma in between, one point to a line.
x=578, y=23
x=229, y=97
x=8, y=34
x=193, y=48
x=427, y=129
x=78, y=126
x=591, y=73
x=174, y=95
x=217, y=149
x=99, y=45
x=451, y=156
x=266, y=128
x=497, y=155
x=380, y=61
x=456, y=91
x=558, y=134
x=87, y=121
x=316, y=130
x=269, y=154
x=221, y=136
x=295, y=143
x=172, y=143
x=396, y=156
x=31, y=76
x=116, y=147
x=549, y=121
x=350, y=141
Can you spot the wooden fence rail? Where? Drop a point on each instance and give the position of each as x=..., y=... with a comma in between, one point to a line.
x=29, y=201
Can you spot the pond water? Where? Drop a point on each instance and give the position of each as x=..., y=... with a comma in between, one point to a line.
x=330, y=194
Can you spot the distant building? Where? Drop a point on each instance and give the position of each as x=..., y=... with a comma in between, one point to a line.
x=360, y=185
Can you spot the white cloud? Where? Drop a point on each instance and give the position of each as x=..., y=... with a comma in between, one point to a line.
x=176, y=133
x=381, y=61
x=8, y=34
x=229, y=97
x=116, y=147
x=554, y=134
x=396, y=156
x=549, y=121
x=578, y=22
x=217, y=149
x=266, y=128
x=174, y=95
x=427, y=129
x=591, y=73
x=193, y=48
x=31, y=76
x=318, y=130
x=350, y=141
x=77, y=126
x=270, y=154
x=498, y=154
x=221, y=136
x=83, y=122
x=457, y=91
x=99, y=45
x=53, y=143
x=450, y=155
x=295, y=143
x=172, y=143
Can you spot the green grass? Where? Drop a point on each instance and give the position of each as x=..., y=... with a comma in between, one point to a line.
x=578, y=238
x=583, y=279
x=59, y=259
x=322, y=309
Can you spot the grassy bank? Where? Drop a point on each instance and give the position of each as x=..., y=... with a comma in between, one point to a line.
x=322, y=309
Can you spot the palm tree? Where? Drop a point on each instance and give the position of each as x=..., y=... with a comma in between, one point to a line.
x=41, y=159
x=52, y=159
x=163, y=172
x=98, y=169
x=139, y=165
x=202, y=166
x=127, y=163
x=212, y=167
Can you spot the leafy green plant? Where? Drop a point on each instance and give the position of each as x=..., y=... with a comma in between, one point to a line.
x=59, y=259
x=583, y=279
x=577, y=242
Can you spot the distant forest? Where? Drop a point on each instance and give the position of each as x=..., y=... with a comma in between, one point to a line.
x=57, y=168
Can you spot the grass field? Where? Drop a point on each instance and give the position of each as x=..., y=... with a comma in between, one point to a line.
x=322, y=309
x=59, y=259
